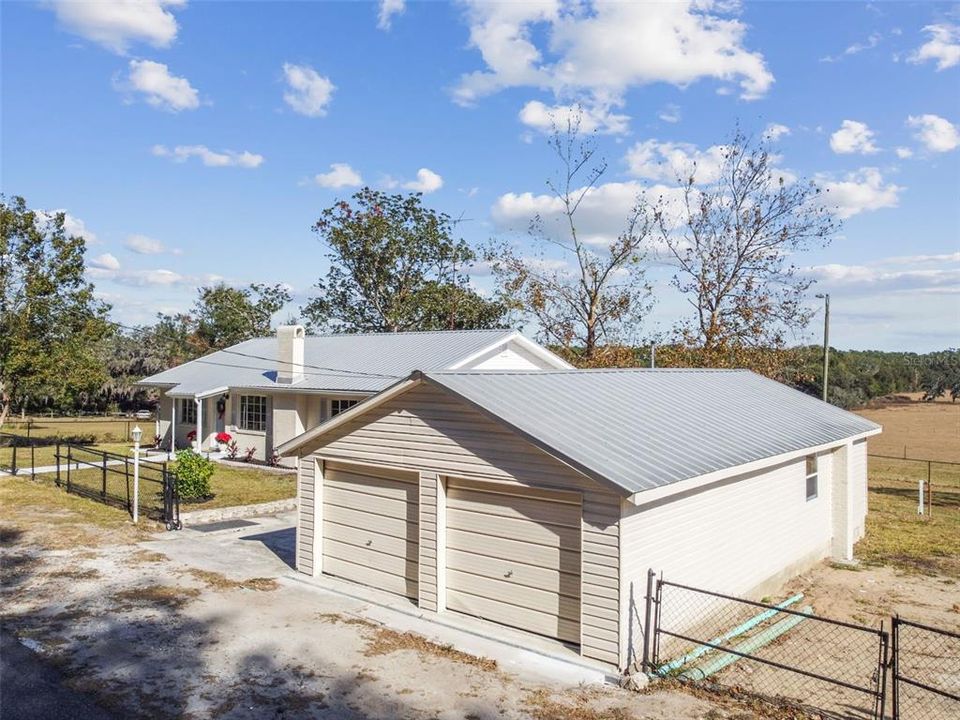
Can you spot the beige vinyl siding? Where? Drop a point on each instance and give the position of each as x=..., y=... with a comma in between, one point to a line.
x=734, y=536
x=858, y=480
x=429, y=539
x=306, y=497
x=513, y=556
x=427, y=430
x=371, y=526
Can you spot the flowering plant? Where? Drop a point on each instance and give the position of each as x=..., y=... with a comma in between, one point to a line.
x=191, y=436
x=224, y=438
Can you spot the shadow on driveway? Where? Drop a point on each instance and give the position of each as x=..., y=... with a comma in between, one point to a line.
x=281, y=543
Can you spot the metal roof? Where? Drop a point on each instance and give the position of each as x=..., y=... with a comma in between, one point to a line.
x=643, y=429
x=336, y=363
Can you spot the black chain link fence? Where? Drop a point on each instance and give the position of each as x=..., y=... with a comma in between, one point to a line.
x=784, y=653
x=926, y=672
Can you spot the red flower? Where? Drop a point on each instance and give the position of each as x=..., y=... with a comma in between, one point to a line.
x=224, y=437
x=192, y=435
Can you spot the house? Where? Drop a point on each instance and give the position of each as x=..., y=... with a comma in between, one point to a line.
x=539, y=500
x=266, y=391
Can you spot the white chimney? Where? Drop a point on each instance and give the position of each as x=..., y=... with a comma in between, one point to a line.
x=290, y=354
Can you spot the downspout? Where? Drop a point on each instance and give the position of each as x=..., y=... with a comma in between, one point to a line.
x=199, y=402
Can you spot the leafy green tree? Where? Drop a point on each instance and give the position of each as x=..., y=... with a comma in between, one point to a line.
x=50, y=321
x=942, y=376
x=394, y=266
x=227, y=315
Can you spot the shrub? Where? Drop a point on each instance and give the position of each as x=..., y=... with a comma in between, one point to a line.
x=233, y=450
x=249, y=453
x=274, y=459
x=193, y=476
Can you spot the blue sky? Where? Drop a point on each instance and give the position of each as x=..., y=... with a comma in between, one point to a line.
x=191, y=141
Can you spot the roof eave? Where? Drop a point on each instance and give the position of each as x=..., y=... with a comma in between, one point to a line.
x=643, y=497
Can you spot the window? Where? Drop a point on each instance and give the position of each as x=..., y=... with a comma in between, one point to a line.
x=338, y=406
x=188, y=411
x=253, y=413
x=811, y=477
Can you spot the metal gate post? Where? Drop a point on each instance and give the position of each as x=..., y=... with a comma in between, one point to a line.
x=882, y=669
x=69, y=463
x=895, y=667
x=656, y=621
x=103, y=485
x=647, y=665
x=58, y=463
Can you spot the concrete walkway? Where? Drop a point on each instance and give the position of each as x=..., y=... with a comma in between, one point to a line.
x=47, y=469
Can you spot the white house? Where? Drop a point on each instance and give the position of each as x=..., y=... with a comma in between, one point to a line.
x=266, y=391
x=539, y=500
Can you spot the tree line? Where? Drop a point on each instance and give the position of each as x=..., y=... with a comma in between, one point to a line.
x=730, y=234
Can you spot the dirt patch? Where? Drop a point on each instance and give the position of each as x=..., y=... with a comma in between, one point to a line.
x=77, y=574
x=220, y=582
x=168, y=597
x=544, y=705
x=382, y=640
x=140, y=556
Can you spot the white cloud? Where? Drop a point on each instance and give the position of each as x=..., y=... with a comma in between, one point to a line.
x=603, y=49
x=308, y=92
x=600, y=217
x=542, y=117
x=853, y=137
x=161, y=89
x=888, y=275
x=340, y=175
x=871, y=42
x=670, y=113
x=117, y=24
x=670, y=161
x=72, y=226
x=143, y=245
x=943, y=46
x=859, y=192
x=775, y=131
x=936, y=133
x=427, y=182
x=105, y=262
x=389, y=8
x=224, y=158
x=904, y=152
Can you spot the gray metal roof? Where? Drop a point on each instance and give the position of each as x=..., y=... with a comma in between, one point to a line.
x=643, y=429
x=336, y=363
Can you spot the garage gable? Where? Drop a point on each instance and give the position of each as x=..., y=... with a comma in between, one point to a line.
x=452, y=445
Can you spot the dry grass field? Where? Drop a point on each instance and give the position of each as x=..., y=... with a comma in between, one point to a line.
x=896, y=534
x=929, y=431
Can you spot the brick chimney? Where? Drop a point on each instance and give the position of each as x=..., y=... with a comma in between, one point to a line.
x=290, y=354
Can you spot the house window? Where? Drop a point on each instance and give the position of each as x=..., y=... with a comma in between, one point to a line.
x=811, y=477
x=188, y=411
x=253, y=413
x=338, y=406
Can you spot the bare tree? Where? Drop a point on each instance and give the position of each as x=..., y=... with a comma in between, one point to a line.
x=734, y=243
x=591, y=294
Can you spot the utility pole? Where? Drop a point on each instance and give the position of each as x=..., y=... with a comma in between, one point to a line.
x=826, y=343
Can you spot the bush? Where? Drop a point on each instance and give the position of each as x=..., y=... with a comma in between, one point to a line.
x=193, y=476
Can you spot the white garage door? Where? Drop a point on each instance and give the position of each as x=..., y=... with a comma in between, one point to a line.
x=513, y=556
x=370, y=526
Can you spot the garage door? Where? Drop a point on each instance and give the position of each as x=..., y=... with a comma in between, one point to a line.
x=370, y=526
x=513, y=556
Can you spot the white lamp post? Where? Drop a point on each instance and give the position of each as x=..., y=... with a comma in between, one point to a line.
x=137, y=433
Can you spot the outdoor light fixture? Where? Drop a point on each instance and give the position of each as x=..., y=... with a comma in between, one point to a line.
x=136, y=433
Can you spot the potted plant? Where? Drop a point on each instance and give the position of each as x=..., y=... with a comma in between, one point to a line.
x=223, y=440
x=192, y=438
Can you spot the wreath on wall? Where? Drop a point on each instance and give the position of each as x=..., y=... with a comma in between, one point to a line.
x=221, y=406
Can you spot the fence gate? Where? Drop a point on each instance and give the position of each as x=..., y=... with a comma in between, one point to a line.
x=781, y=653
x=925, y=672
x=108, y=478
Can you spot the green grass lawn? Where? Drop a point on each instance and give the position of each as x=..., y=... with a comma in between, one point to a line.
x=230, y=486
x=92, y=430
x=896, y=535
x=46, y=455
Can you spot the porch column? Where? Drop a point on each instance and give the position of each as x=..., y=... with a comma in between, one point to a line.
x=199, y=403
x=173, y=424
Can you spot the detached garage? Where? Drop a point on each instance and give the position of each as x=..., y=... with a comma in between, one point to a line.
x=539, y=500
